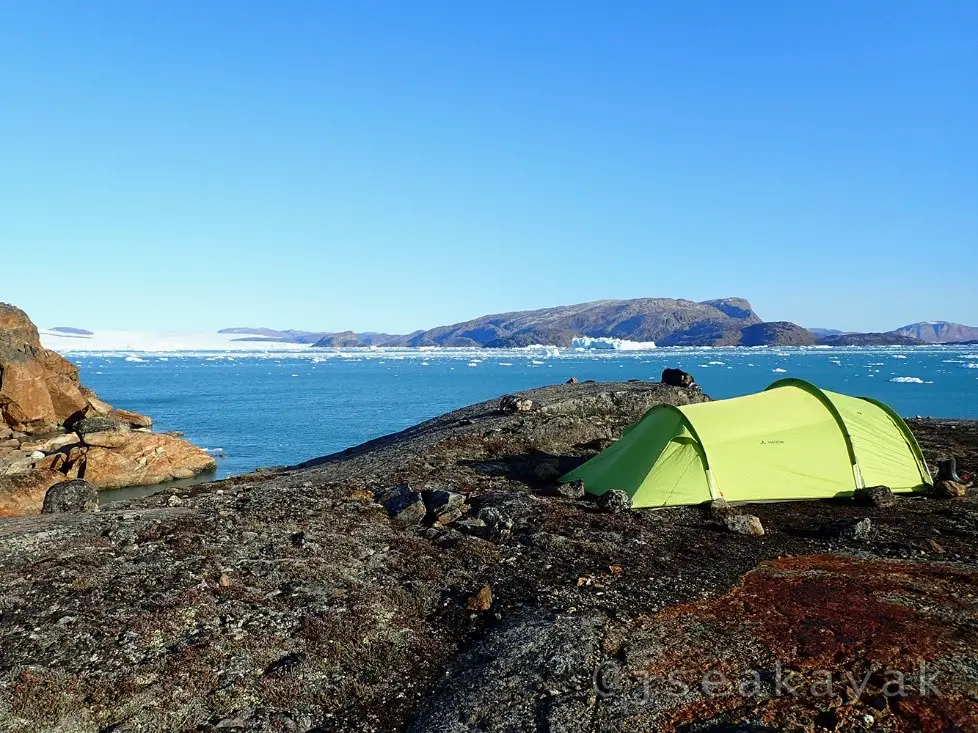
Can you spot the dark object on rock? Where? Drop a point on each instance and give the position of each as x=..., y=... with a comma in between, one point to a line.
x=546, y=472
x=571, y=490
x=948, y=471
x=572, y=380
x=498, y=525
x=878, y=496
x=718, y=509
x=512, y=403
x=614, y=501
x=481, y=600
x=74, y=496
x=403, y=505
x=949, y=489
x=746, y=524
x=847, y=529
x=443, y=506
x=677, y=378
x=98, y=424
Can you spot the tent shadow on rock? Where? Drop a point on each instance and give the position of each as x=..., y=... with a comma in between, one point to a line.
x=791, y=441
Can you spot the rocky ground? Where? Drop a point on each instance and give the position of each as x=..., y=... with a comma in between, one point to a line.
x=294, y=601
x=52, y=428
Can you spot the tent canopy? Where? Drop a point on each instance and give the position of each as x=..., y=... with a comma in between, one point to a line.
x=792, y=441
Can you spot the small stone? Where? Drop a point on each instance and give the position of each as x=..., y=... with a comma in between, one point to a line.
x=877, y=496
x=848, y=529
x=224, y=581
x=175, y=500
x=497, y=523
x=73, y=496
x=746, y=524
x=403, y=505
x=949, y=490
x=572, y=380
x=512, y=403
x=443, y=506
x=718, y=509
x=481, y=600
x=571, y=489
x=614, y=501
x=474, y=527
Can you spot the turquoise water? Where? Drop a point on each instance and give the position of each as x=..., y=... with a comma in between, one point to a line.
x=282, y=408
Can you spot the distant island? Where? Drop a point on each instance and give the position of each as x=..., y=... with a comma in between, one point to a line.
x=666, y=321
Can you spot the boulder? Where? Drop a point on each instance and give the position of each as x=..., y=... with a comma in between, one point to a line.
x=877, y=496
x=24, y=493
x=677, y=378
x=403, y=505
x=52, y=444
x=144, y=459
x=107, y=438
x=39, y=389
x=15, y=462
x=949, y=489
x=513, y=403
x=443, y=506
x=614, y=501
x=746, y=524
x=71, y=496
x=130, y=418
x=98, y=424
x=571, y=489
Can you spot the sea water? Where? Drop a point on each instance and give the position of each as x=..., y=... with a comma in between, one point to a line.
x=281, y=408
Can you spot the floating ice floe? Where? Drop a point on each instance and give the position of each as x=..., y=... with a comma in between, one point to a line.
x=779, y=370
x=908, y=380
x=587, y=343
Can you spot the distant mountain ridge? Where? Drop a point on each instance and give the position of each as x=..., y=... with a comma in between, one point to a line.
x=939, y=332
x=667, y=321
x=292, y=336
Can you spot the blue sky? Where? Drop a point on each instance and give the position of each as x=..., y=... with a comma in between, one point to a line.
x=392, y=166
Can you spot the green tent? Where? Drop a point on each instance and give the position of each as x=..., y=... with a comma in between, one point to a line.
x=792, y=441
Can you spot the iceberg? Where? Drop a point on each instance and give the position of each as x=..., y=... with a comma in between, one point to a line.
x=587, y=343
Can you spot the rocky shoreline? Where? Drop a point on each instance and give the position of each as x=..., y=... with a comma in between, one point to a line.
x=437, y=580
x=53, y=428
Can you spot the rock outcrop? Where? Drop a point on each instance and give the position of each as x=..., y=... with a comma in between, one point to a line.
x=52, y=427
x=300, y=601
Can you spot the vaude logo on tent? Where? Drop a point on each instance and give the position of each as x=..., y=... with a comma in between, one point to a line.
x=772, y=442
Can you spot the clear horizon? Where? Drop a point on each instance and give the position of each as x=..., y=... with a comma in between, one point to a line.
x=192, y=167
